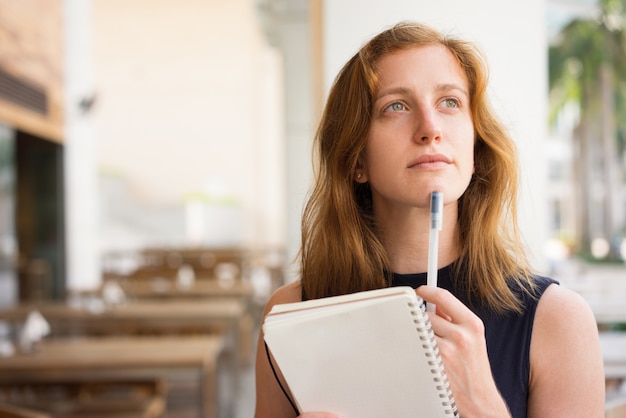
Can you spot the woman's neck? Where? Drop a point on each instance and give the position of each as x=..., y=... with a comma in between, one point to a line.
x=406, y=237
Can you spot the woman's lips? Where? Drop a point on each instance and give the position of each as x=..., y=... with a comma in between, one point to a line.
x=427, y=161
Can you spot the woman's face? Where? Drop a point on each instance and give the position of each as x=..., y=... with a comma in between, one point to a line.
x=421, y=137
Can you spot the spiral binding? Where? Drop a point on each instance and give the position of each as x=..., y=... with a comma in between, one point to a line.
x=429, y=343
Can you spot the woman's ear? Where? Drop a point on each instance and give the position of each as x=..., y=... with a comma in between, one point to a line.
x=360, y=176
x=360, y=173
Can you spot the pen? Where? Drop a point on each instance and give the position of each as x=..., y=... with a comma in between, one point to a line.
x=436, y=218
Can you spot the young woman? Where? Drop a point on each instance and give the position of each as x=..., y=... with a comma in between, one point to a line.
x=408, y=115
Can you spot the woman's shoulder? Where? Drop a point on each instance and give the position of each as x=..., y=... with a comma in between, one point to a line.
x=565, y=353
x=563, y=320
x=287, y=293
x=559, y=304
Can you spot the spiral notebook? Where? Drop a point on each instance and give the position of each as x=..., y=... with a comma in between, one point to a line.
x=369, y=354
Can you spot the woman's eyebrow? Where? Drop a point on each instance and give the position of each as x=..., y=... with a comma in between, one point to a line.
x=452, y=86
x=392, y=90
x=441, y=88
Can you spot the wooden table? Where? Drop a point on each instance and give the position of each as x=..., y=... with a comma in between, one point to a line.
x=12, y=411
x=137, y=316
x=162, y=289
x=82, y=358
x=172, y=316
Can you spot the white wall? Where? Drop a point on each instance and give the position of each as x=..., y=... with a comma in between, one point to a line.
x=300, y=122
x=189, y=102
x=513, y=36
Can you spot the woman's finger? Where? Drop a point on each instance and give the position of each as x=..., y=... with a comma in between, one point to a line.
x=448, y=306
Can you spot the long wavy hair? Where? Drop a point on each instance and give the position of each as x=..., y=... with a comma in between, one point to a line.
x=341, y=249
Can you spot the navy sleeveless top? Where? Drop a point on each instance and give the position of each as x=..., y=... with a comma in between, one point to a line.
x=508, y=336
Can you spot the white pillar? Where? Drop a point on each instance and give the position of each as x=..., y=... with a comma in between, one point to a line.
x=81, y=208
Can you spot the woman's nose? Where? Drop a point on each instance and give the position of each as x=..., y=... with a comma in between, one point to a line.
x=428, y=126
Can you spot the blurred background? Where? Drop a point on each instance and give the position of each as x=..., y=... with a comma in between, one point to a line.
x=149, y=148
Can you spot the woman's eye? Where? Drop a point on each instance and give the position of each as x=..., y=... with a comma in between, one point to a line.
x=396, y=107
x=451, y=103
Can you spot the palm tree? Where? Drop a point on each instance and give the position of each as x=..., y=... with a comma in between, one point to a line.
x=587, y=66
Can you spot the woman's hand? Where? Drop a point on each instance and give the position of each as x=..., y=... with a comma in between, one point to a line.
x=461, y=339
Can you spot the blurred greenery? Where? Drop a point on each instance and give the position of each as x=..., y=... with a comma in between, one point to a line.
x=587, y=68
x=619, y=326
